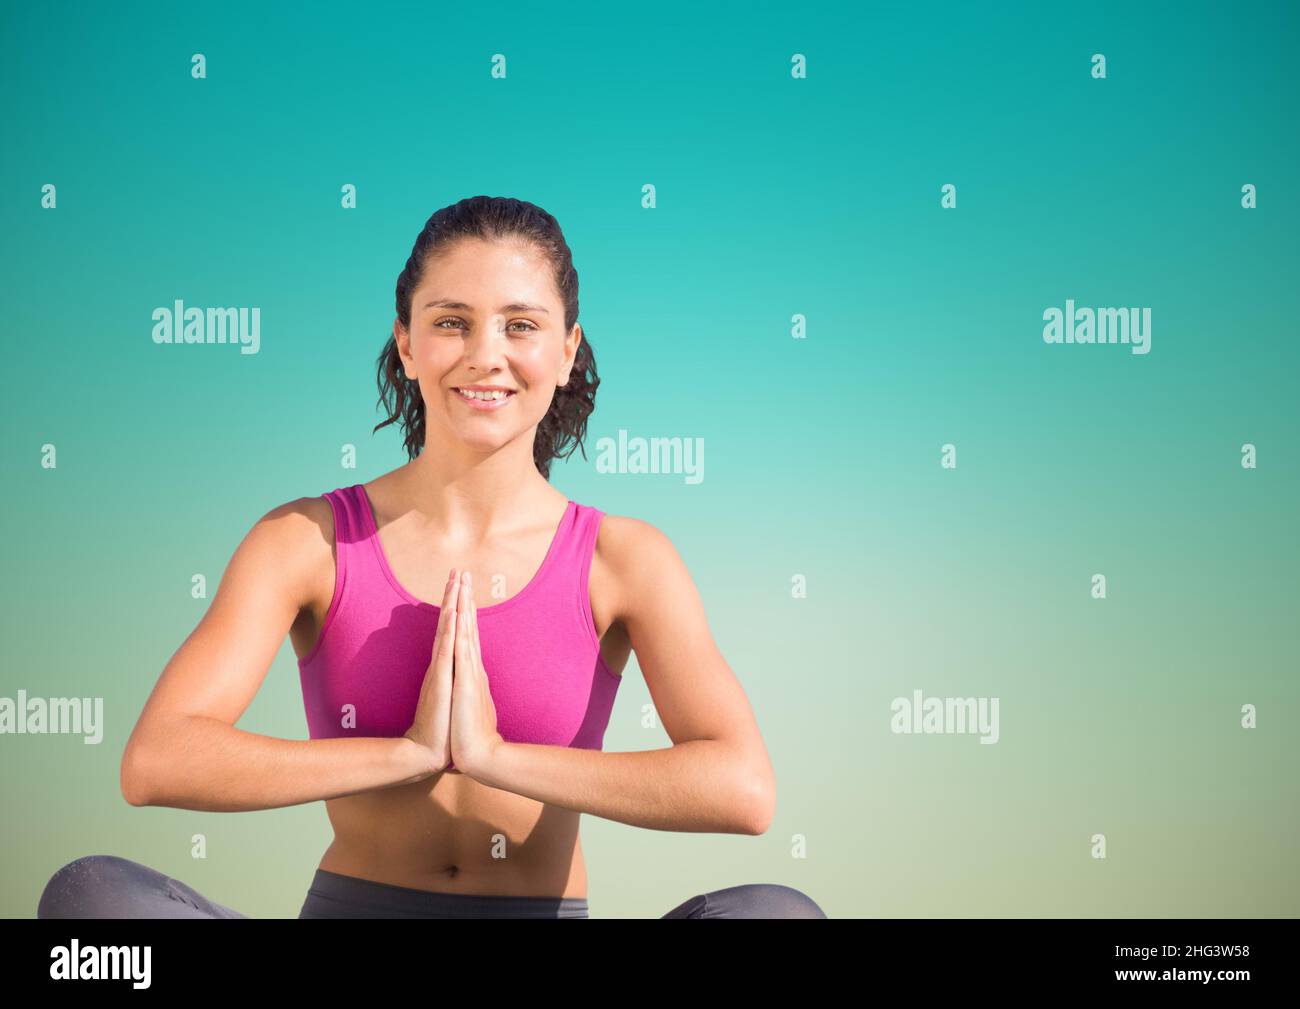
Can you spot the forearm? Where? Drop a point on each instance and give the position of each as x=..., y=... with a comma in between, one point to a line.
x=698, y=785
x=206, y=764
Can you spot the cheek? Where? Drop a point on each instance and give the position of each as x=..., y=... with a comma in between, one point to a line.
x=534, y=361
x=438, y=352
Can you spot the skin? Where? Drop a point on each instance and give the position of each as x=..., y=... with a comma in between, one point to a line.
x=472, y=504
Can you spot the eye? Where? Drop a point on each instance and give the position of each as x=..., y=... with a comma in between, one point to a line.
x=459, y=323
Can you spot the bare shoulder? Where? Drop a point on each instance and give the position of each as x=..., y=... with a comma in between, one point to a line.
x=637, y=557
x=297, y=539
x=300, y=523
x=633, y=538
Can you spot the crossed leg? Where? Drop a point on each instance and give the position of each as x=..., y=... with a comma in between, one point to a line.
x=749, y=900
x=109, y=886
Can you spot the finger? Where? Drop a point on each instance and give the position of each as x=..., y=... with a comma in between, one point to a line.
x=467, y=590
x=447, y=619
x=462, y=621
x=448, y=597
x=473, y=628
x=478, y=659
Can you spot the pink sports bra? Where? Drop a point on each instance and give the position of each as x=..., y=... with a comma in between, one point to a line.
x=547, y=678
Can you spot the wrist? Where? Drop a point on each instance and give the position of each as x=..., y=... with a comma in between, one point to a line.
x=417, y=759
x=480, y=762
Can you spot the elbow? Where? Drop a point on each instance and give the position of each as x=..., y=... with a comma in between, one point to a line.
x=761, y=807
x=132, y=779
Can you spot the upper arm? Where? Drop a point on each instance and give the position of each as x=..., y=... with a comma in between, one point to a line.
x=693, y=688
x=218, y=669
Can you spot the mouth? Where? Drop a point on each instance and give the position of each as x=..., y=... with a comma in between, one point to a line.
x=484, y=399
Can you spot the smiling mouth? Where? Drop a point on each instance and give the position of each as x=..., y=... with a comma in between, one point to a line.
x=485, y=397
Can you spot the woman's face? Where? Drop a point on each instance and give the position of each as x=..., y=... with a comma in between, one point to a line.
x=487, y=314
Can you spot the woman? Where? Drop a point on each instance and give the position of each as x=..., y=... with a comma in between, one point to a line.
x=447, y=798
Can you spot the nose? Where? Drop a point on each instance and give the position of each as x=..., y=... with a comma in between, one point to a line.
x=483, y=344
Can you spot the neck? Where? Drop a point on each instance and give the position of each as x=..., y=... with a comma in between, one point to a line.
x=460, y=489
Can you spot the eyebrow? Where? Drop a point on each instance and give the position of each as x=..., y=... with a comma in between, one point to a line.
x=460, y=306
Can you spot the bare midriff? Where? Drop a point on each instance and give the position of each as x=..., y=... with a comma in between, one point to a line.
x=451, y=834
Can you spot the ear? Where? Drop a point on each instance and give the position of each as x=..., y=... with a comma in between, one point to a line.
x=403, y=340
x=571, y=344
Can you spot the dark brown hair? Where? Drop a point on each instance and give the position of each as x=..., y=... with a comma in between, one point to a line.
x=494, y=218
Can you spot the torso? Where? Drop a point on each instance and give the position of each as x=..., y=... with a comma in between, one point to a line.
x=449, y=833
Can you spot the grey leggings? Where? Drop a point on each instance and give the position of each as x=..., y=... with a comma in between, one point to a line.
x=108, y=886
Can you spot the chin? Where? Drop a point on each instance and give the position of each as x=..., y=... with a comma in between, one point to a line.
x=478, y=443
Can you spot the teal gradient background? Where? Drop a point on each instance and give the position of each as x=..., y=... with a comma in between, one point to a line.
x=776, y=197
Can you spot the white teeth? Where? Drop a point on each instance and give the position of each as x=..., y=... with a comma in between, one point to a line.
x=489, y=396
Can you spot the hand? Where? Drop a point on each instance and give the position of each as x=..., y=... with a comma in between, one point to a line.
x=431, y=727
x=474, y=736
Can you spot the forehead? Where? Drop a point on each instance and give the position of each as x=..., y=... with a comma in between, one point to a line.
x=488, y=275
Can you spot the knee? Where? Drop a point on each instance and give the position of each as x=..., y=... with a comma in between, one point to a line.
x=761, y=900
x=74, y=889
